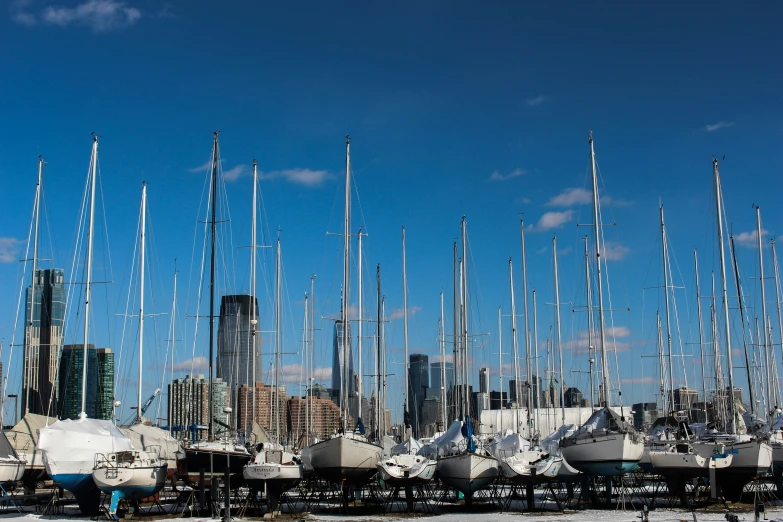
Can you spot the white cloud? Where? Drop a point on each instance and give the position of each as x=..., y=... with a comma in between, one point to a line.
x=99, y=15
x=578, y=196
x=615, y=251
x=294, y=373
x=538, y=100
x=202, y=168
x=497, y=176
x=749, y=239
x=717, y=126
x=235, y=173
x=616, y=340
x=398, y=313
x=305, y=177
x=552, y=220
x=197, y=364
x=9, y=249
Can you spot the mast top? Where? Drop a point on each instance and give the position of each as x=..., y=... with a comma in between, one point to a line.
x=590, y=137
x=95, y=136
x=347, y=139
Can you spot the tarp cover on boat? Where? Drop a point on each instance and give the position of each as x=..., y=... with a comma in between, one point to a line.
x=71, y=445
x=452, y=437
x=407, y=447
x=551, y=443
x=150, y=438
x=511, y=444
x=24, y=438
x=606, y=419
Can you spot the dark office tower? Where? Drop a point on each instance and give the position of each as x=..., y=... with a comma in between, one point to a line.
x=418, y=382
x=235, y=345
x=43, y=337
x=483, y=380
x=338, y=365
x=100, y=382
x=435, y=375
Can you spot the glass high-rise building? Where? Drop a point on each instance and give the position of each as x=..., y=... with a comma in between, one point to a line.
x=43, y=337
x=435, y=375
x=100, y=382
x=237, y=325
x=418, y=382
x=338, y=365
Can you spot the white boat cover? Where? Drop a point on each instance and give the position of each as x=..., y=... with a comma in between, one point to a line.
x=152, y=439
x=510, y=445
x=24, y=437
x=70, y=446
x=407, y=447
x=551, y=443
x=443, y=444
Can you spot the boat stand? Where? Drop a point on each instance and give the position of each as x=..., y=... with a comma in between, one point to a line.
x=6, y=501
x=186, y=501
x=421, y=494
x=562, y=494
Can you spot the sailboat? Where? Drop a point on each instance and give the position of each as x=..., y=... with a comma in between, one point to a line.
x=346, y=457
x=212, y=458
x=607, y=444
x=132, y=475
x=521, y=461
x=405, y=467
x=11, y=466
x=752, y=456
x=69, y=446
x=462, y=464
x=272, y=466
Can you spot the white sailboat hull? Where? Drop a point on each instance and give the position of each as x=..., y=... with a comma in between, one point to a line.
x=11, y=471
x=131, y=483
x=468, y=472
x=750, y=459
x=345, y=460
x=407, y=470
x=688, y=464
x=603, y=455
x=529, y=466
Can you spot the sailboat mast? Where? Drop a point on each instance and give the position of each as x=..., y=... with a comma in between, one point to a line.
x=515, y=347
x=405, y=331
x=537, y=383
x=253, y=313
x=311, y=360
x=464, y=272
x=443, y=362
x=307, y=364
x=661, y=364
x=142, y=242
x=346, y=279
x=777, y=296
x=378, y=355
x=384, y=428
x=500, y=350
x=590, y=333
x=211, y=432
x=725, y=293
x=764, y=328
x=528, y=365
x=557, y=319
x=172, y=332
x=597, y=231
x=88, y=282
x=701, y=335
x=277, y=344
x=741, y=306
x=28, y=345
x=455, y=368
x=360, y=321
x=665, y=254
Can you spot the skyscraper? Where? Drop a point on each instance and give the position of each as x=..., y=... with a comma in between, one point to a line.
x=43, y=337
x=435, y=375
x=483, y=380
x=338, y=365
x=189, y=401
x=100, y=382
x=418, y=382
x=235, y=340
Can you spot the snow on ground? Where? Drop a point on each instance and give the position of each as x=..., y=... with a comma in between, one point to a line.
x=658, y=515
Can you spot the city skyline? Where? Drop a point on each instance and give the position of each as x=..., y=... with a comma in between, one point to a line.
x=477, y=111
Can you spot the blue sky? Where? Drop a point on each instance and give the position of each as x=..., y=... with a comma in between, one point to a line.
x=454, y=109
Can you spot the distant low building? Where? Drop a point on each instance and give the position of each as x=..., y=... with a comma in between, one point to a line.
x=644, y=415
x=189, y=401
x=498, y=400
x=573, y=398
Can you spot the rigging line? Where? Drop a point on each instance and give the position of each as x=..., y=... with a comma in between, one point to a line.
x=36, y=203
